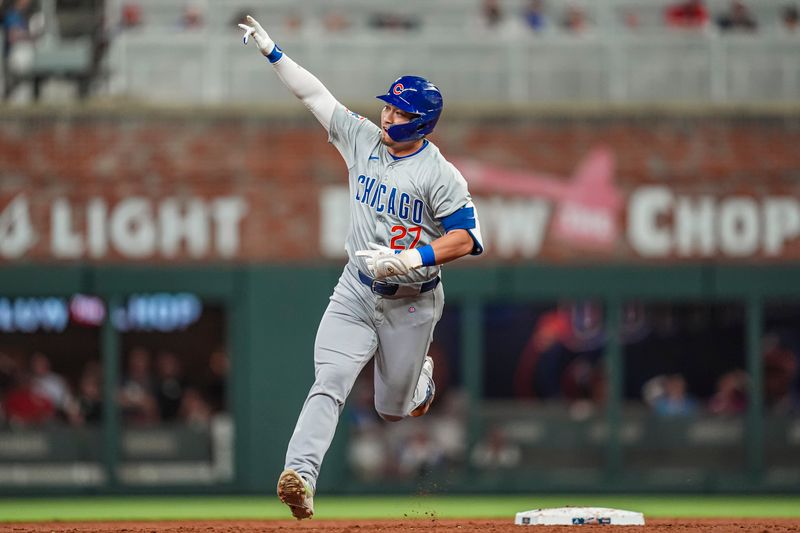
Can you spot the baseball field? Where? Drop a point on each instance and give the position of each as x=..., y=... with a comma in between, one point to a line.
x=742, y=514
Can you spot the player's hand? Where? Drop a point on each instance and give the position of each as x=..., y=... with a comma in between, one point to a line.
x=253, y=29
x=371, y=255
x=383, y=262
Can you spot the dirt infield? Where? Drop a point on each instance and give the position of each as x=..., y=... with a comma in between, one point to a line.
x=366, y=526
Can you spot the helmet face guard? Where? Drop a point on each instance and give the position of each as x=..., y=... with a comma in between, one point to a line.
x=419, y=97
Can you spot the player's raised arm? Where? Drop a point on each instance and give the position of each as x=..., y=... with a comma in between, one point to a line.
x=304, y=85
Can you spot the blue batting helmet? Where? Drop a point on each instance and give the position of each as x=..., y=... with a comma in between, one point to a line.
x=418, y=96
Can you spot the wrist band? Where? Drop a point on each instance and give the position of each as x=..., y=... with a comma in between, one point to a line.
x=276, y=54
x=427, y=255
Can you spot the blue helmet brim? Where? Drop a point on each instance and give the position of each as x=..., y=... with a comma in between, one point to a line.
x=397, y=102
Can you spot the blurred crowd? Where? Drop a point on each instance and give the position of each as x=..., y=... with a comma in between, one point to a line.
x=25, y=26
x=677, y=362
x=154, y=389
x=680, y=362
x=536, y=16
x=561, y=373
x=412, y=448
x=570, y=18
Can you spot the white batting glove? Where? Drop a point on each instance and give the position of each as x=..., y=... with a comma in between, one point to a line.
x=253, y=29
x=383, y=262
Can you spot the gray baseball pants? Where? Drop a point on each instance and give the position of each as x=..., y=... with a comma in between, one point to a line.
x=357, y=325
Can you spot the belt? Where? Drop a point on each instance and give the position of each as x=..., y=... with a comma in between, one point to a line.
x=385, y=288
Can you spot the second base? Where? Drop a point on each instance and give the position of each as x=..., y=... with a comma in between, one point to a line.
x=578, y=516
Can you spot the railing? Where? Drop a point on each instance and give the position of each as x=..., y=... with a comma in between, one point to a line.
x=214, y=68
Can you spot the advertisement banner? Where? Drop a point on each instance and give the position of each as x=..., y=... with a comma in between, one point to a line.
x=563, y=190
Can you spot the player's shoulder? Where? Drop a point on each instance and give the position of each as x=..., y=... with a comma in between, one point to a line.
x=441, y=167
x=351, y=115
x=435, y=159
x=351, y=120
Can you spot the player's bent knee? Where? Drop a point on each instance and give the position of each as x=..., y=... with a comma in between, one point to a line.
x=390, y=418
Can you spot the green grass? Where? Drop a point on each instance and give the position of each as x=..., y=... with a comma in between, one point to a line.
x=264, y=508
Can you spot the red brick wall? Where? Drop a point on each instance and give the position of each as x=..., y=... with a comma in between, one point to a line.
x=705, y=152
x=279, y=164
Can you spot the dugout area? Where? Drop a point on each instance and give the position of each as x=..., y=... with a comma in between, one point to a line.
x=269, y=316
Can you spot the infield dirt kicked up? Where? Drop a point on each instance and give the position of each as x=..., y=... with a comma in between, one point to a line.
x=744, y=525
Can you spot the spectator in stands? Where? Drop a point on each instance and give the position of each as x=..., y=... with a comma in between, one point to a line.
x=137, y=393
x=367, y=454
x=492, y=19
x=542, y=356
x=737, y=18
x=574, y=20
x=130, y=16
x=448, y=428
x=631, y=19
x=8, y=371
x=583, y=385
x=8, y=367
x=668, y=396
x=90, y=394
x=215, y=381
x=535, y=16
x=491, y=13
x=394, y=21
x=496, y=451
x=418, y=455
x=688, y=14
x=52, y=386
x=730, y=397
x=335, y=22
x=791, y=19
x=194, y=409
x=780, y=373
x=562, y=353
x=169, y=385
x=17, y=45
x=293, y=22
x=24, y=406
x=192, y=17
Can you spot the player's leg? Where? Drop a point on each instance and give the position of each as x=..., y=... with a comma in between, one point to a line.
x=423, y=395
x=345, y=342
x=425, y=391
x=404, y=337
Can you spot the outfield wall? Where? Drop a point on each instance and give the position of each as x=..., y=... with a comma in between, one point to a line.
x=156, y=186
x=620, y=249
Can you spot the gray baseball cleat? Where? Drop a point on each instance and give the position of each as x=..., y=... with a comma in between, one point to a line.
x=427, y=400
x=295, y=492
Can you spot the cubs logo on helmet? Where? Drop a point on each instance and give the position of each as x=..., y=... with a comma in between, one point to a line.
x=418, y=96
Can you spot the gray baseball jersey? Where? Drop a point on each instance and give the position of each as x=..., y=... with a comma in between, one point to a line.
x=399, y=202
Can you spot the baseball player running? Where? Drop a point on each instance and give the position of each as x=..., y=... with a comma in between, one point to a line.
x=410, y=211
